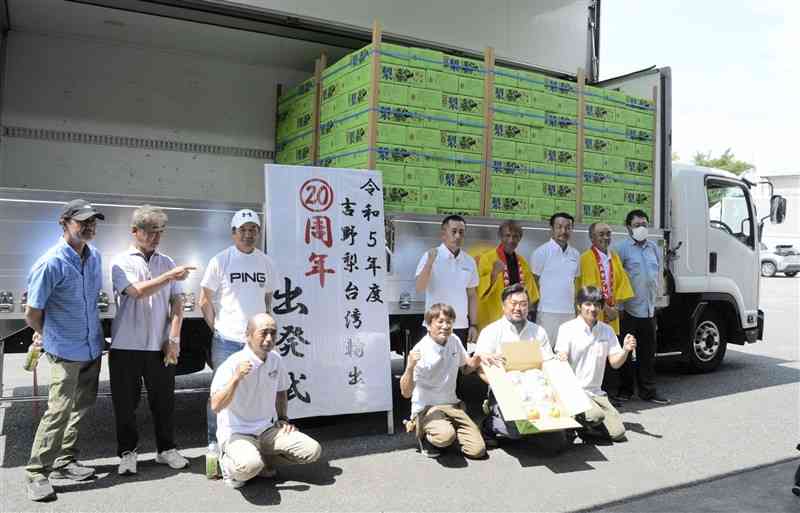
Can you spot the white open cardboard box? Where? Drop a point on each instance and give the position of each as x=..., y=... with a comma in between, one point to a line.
x=570, y=397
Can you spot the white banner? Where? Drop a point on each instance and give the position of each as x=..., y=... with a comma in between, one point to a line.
x=325, y=233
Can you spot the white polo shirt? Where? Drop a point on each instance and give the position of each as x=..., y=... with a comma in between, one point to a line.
x=240, y=282
x=252, y=410
x=141, y=324
x=557, y=270
x=588, y=350
x=436, y=372
x=451, y=276
x=502, y=331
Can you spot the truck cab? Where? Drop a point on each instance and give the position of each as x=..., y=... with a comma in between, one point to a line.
x=713, y=265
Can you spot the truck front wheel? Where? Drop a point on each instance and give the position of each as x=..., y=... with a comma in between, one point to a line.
x=707, y=344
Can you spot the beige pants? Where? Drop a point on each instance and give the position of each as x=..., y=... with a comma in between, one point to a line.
x=245, y=455
x=73, y=389
x=443, y=424
x=603, y=411
x=551, y=322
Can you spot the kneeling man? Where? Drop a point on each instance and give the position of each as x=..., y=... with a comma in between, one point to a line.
x=587, y=343
x=513, y=326
x=430, y=382
x=249, y=396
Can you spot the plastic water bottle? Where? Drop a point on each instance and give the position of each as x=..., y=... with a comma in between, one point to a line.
x=32, y=358
x=212, y=461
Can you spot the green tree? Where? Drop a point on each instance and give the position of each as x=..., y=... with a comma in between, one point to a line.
x=675, y=156
x=726, y=161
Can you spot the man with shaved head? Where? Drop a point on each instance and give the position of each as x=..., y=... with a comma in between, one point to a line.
x=249, y=396
x=600, y=267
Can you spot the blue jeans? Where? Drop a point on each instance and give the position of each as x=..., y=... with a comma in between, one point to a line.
x=221, y=349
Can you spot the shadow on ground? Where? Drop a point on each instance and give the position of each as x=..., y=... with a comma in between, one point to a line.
x=362, y=434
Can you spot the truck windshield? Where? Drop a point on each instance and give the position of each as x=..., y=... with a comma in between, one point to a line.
x=729, y=210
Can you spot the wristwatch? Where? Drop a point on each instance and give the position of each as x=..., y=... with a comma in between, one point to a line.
x=175, y=340
x=283, y=418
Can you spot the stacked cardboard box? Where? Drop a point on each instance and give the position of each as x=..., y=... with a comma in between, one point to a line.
x=539, y=114
x=295, y=128
x=533, y=171
x=430, y=136
x=618, y=155
x=430, y=126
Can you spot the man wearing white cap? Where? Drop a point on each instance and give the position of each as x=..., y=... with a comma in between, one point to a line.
x=237, y=284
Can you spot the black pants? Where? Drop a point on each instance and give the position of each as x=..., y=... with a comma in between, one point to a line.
x=127, y=370
x=642, y=371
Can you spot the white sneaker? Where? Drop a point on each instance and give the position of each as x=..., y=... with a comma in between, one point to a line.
x=227, y=479
x=172, y=458
x=127, y=463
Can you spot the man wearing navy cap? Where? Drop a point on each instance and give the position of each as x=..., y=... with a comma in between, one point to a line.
x=63, y=286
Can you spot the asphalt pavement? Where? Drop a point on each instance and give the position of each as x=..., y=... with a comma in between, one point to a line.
x=726, y=443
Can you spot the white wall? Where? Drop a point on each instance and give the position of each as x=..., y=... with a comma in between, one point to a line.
x=108, y=88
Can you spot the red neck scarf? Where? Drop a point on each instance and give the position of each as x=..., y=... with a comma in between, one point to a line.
x=501, y=254
x=607, y=286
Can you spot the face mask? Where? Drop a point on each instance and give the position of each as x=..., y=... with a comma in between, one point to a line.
x=639, y=233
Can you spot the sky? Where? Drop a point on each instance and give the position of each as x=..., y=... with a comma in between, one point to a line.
x=735, y=71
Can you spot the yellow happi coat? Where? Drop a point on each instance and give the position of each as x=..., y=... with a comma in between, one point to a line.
x=590, y=276
x=490, y=306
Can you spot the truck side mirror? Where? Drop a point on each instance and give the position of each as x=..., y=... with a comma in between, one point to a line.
x=777, y=209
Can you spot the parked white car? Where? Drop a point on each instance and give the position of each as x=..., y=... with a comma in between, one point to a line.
x=783, y=259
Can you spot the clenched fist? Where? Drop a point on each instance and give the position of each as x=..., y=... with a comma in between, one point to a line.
x=629, y=343
x=413, y=359
x=243, y=369
x=498, y=267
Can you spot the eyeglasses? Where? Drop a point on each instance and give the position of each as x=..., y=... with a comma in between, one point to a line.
x=521, y=304
x=88, y=222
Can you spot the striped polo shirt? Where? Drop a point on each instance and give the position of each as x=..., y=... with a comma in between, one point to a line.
x=141, y=324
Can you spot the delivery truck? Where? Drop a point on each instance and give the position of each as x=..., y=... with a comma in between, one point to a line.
x=176, y=103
